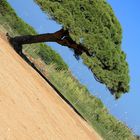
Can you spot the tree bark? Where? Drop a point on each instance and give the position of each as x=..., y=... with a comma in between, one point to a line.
x=61, y=37
x=48, y=37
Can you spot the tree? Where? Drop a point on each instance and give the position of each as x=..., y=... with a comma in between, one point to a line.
x=91, y=29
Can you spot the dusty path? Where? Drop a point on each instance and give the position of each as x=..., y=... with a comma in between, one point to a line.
x=30, y=109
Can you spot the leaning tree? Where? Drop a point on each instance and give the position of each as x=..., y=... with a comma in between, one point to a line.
x=92, y=31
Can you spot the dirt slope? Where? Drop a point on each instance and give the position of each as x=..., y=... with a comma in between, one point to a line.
x=30, y=109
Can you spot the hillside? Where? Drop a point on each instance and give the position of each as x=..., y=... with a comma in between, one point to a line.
x=30, y=108
x=52, y=66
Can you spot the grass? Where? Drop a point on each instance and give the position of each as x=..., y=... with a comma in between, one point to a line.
x=54, y=68
x=11, y=23
x=86, y=104
x=89, y=107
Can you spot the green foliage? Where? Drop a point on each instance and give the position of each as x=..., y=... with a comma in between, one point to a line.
x=16, y=26
x=93, y=24
x=138, y=137
x=89, y=106
x=49, y=56
x=11, y=22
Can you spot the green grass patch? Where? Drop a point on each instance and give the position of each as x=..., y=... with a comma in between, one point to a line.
x=89, y=106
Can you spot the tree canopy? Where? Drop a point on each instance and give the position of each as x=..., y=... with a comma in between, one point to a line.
x=91, y=28
x=93, y=24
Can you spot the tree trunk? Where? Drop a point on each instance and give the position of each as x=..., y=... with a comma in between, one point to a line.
x=48, y=37
x=61, y=37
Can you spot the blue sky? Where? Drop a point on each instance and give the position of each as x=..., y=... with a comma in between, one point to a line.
x=125, y=109
x=128, y=14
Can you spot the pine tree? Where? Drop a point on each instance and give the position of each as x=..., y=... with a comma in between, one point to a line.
x=91, y=29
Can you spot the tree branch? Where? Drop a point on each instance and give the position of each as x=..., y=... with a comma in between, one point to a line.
x=62, y=37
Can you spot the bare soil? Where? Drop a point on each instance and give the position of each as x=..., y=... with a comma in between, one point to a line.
x=29, y=107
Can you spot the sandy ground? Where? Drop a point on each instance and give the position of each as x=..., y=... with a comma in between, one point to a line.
x=30, y=109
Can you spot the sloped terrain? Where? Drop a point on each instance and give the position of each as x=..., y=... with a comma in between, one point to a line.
x=30, y=109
